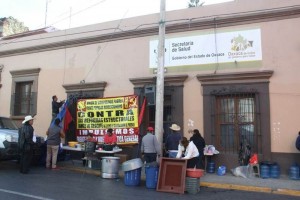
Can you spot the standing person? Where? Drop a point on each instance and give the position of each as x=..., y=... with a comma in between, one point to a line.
x=55, y=106
x=244, y=152
x=25, y=142
x=191, y=154
x=199, y=141
x=54, y=133
x=150, y=146
x=298, y=142
x=173, y=138
x=110, y=138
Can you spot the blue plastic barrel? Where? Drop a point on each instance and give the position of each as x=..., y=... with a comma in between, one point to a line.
x=133, y=177
x=274, y=171
x=151, y=177
x=210, y=167
x=294, y=172
x=264, y=171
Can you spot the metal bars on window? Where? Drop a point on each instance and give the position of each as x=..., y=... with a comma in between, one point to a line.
x=24, y=100
x=235, y=119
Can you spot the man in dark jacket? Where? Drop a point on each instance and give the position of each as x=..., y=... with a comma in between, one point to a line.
x=173, y=139
x=25, y=144
x=298, y=141
x=200, y=144
x=55, y=106
x=54, y=135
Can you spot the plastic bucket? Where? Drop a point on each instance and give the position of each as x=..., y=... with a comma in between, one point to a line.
x=133, y=177
x=173, y=153
x=192, y=185
x=151, y=177
x=221, y=170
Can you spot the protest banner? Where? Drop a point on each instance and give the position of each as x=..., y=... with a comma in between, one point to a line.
x=97, y=115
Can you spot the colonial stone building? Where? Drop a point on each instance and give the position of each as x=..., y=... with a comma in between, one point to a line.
x=231, y=72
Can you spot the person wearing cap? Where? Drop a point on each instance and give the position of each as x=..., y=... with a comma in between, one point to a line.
x=150, y=146
x=110, y=138
x=173, y=139
x=55, y=106
x=25, y=142
x=54, y=135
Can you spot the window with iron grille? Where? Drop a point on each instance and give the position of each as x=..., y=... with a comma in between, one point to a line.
x=172, y=109
x=167, y=111
x=23, y=98
x=237, y=105
x=24, y=92
x=236, y=119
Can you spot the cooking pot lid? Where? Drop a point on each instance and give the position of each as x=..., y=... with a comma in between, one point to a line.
x=111, y=158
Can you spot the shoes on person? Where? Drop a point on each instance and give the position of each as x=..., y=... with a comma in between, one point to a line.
x=48, y=167
x=55, y=168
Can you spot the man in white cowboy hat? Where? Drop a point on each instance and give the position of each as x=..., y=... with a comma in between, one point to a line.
x=173, y=139
x=25, y=142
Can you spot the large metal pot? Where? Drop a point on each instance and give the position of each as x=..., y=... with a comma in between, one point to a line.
x=132, y=164
x=110, y=167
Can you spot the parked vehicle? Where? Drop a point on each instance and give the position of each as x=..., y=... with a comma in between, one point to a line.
x=8, y=139
x=9, y=142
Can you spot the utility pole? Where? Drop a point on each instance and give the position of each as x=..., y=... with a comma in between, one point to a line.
x=159, y=109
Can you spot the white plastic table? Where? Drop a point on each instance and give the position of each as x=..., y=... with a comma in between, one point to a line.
x=109, y=152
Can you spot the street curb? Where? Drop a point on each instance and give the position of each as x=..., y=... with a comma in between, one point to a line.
x=207, y=184
x=287, y=192
x=236, y=187
x=80, y=170
x=251, y=188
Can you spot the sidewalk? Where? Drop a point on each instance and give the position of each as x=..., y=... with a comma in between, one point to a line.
x=283, y=185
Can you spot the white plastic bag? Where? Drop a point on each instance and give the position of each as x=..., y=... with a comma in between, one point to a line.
x=241, y=171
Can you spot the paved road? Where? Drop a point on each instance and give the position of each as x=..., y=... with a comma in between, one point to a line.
x=67, y=185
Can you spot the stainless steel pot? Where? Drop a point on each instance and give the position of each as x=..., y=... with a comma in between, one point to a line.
x=132, y=164
x=110, y=167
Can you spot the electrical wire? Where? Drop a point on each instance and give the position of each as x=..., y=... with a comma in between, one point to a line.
x=67, y=12
x=146, y=24
x=102, y=49
x=78, y=12
x=102, y=1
